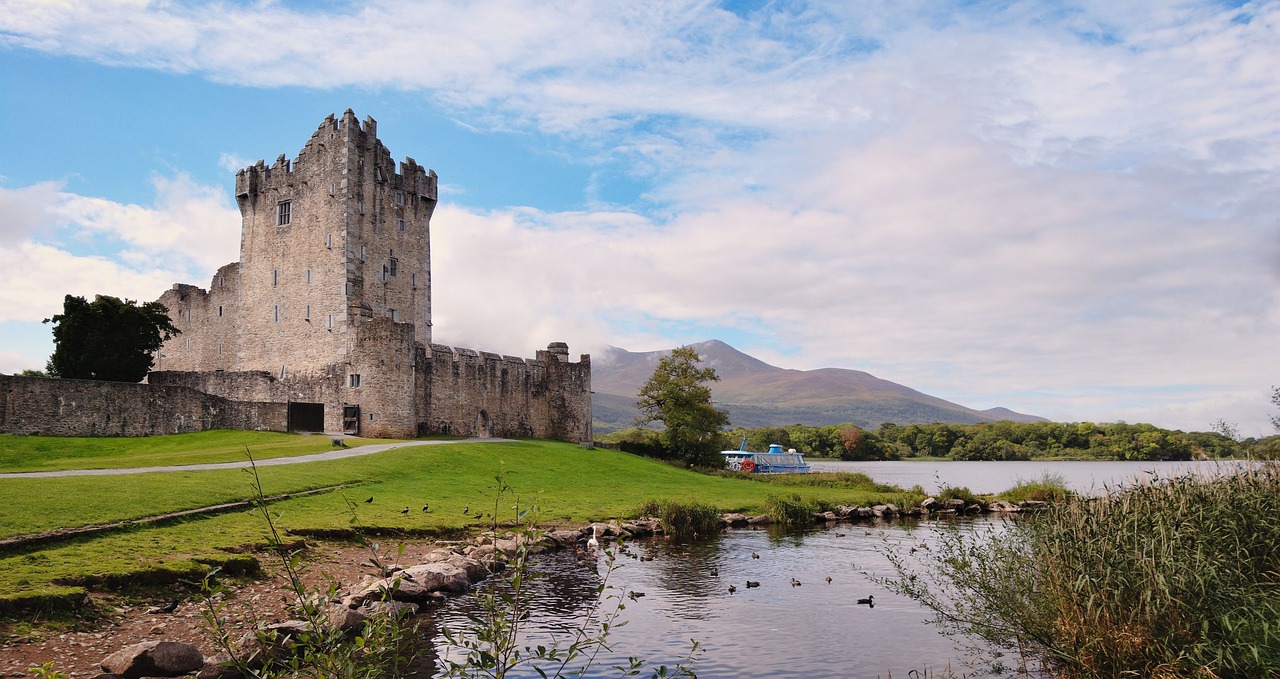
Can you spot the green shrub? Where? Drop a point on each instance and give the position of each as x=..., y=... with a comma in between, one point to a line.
x=960, y=493
x=1048, y=488
x=683, y=519
x=790, y=511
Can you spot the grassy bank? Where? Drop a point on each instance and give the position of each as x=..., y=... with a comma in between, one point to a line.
x=55, y=453
x=569, y=484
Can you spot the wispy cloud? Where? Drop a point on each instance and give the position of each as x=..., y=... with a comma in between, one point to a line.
x=1023, y=200
x=136, y=250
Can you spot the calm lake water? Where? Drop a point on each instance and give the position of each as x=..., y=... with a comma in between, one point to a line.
x=777, y=630
x=1088, y=477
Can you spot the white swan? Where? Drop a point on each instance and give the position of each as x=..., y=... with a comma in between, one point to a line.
x=593, y=544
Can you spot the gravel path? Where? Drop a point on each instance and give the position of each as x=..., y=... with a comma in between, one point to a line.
x=335, y=454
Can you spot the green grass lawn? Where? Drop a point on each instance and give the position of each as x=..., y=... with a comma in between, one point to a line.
x=569, y=485
x=50, y=453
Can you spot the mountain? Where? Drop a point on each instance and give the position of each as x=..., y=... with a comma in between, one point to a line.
x=757, y=394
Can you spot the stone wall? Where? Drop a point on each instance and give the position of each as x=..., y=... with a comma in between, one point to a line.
x=479, y=393
x=58, y=407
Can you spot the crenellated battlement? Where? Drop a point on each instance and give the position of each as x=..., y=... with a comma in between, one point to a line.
x=340, y=141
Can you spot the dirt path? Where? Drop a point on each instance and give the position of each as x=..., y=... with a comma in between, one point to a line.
x=335, y=454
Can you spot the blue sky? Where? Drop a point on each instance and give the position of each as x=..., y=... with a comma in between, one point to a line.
x=1068, y=209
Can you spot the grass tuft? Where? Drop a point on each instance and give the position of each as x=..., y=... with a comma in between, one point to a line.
x=790, y=511
x=683, y=520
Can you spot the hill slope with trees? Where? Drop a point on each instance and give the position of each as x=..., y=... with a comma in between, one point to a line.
x=756, y=394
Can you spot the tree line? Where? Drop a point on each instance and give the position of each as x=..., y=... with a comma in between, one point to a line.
x=1003, y=440
x=1007, y=440
x=678, y=395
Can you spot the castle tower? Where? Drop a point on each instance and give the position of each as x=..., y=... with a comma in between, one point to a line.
x=330, y=240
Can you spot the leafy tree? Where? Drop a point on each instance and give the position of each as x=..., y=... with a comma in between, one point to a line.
x=107, y=339
x=677, y=395
x=1275, y=401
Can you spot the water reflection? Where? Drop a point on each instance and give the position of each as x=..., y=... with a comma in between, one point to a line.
x=812, y=629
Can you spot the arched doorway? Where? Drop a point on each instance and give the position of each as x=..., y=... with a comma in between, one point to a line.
x=484, y=426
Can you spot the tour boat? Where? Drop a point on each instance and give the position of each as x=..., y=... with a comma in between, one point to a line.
x=775, y=461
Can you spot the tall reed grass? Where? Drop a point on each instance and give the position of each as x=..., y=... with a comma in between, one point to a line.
x=683, y=520
x=1173, y=578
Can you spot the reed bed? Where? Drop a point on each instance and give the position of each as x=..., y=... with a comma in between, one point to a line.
x=683, y=520
x=1172, y=578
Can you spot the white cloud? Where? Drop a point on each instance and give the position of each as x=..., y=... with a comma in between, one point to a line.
x=183, y=238
x=1073, y=206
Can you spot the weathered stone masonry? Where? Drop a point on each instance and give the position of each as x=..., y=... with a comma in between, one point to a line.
x=327, y=315
x=329, y=308
x=53, y=407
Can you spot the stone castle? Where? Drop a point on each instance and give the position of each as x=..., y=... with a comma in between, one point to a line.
x=329, y=310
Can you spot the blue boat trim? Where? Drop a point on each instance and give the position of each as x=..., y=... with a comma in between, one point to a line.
x=775, y=461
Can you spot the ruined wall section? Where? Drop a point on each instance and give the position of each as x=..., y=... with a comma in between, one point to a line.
x=208, y=321
x=477, y=393
x=384, y=379
x=324, y=387
x=61, y=407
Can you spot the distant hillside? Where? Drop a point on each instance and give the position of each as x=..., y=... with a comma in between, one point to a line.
x=757, y=394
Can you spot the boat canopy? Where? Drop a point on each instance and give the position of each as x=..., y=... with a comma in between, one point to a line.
x=775, y=461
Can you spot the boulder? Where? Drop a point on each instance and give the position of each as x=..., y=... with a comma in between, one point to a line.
x=564, y=538
x=846, y=511
x=761, y=520
x=826, y=516
x=154, y=659
x=886, y=510
x=417, y=584
x=218, y=667
x=1003, y=506
x=735, y=519
x=349, y=620
x=1033, y=505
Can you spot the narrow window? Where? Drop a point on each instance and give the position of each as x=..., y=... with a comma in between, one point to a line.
x=284, y=212
x=275, y=278
x=282, y=372
x=188, y=315
x=329, y=322
x=188, y=343
x=384, y=273
x=219, y=309
x=392, y=313
x=399, y=198
x=328, y=241
x=308, y=316
x=393, y=266
x=400, y=224
x=370, y=417
x=219, y=348
x=275, y=313
x=363, y=252
x=413, y=281
x=308, y=276
x=355, y=380
x=361, y=206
